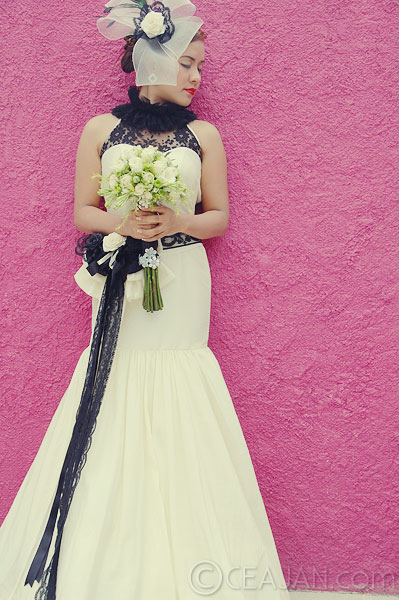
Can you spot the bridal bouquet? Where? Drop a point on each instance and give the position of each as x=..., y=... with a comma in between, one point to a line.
x=141, y=178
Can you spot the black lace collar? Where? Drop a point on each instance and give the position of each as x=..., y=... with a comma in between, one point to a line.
x=157, y=117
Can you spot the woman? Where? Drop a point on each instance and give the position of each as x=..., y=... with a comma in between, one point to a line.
x=168, y=489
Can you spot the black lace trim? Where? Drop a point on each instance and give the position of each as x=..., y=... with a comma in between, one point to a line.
x=102, y=350
x=107, y=327
x=125, y=134
x=178, y=239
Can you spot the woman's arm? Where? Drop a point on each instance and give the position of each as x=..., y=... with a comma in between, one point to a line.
x=88, y=217
x=214, y=189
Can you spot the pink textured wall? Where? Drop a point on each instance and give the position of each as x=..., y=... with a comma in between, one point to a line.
x=306, y=286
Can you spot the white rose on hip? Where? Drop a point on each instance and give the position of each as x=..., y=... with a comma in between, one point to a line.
x=153, y=24
x=112, y=241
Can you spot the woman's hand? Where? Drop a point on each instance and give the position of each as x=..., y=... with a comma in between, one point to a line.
x=151, y=226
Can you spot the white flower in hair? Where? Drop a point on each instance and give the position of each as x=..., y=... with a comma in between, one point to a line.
x=153, y=24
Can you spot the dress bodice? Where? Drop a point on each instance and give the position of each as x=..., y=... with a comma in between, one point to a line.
x=182, y=144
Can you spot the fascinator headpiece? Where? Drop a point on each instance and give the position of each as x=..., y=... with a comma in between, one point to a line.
x=163, y=31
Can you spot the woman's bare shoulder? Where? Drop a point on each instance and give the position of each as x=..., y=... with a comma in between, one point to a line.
x=206, y=132
x=99, y=127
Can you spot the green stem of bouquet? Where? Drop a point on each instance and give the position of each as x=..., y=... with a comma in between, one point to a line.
x=152, y=299
x=158, y=303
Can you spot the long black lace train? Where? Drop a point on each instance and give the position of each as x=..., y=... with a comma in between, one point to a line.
x=102, y=350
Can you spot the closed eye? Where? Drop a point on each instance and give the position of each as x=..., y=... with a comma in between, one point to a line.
x=188, y=66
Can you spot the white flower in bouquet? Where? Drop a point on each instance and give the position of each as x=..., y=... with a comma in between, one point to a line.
x=119, y=165
x=127, y=181
x=159, y=166
x=148, y=179
x=113, y=181
x=129, y=152
x=145, y=201
x=139, y=189
x=147, y=155
x=169, y=175
x=136, y=164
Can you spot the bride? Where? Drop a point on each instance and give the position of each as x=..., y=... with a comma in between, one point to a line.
x=143, y=487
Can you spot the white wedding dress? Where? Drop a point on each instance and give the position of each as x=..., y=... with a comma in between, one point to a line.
x=168, y=506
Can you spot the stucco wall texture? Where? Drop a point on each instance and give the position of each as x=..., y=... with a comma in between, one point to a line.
x=305, y=297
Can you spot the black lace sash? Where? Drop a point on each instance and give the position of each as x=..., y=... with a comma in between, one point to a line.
x=102, y=350
x=178, y=239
